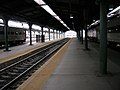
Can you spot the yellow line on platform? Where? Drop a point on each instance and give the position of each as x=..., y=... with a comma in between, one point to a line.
x=38, y=79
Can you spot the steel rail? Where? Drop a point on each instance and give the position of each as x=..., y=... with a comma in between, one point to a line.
x=54, y=47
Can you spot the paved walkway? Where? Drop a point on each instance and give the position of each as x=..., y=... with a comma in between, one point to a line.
x=78, y=71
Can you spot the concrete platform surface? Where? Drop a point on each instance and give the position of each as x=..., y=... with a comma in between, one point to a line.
x=78, y=70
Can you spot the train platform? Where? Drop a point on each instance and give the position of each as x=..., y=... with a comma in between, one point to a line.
x=20, y=50
x=73, y=68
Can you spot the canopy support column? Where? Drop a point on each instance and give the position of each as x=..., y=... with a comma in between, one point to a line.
x=42, y=36
x=86, y=30
x=103, y=37
x=49, y=33
x=30, y=28
x=5, y=19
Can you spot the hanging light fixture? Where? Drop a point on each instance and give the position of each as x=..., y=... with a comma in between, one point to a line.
x=71, y=16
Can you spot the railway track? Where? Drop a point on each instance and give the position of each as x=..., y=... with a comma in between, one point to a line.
x=13, y=75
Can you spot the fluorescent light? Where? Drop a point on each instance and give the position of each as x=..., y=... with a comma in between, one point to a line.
x=54, y=30
x=18, y=24
x=65, y=25
x=71, y=16
x=14, y=24
x=93, y=20
x=45, y=29
x=62, y=22
x=49, y=10
x=40, y=2
x=51, y=30
x=1, y=24
x=36, y=27
x=110, y=9
x=25, y=25
x=110, y=15
x=57, y=18
x=1, y=21
x=116, y=9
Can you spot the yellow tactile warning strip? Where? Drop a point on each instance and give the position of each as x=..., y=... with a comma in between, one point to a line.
x=23, y=52
x=38, y=79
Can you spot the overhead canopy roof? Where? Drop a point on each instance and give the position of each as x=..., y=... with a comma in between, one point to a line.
x=30, y=11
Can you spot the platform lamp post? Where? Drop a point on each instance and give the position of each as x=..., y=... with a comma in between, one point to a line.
x=103, y=36
x=5, y=19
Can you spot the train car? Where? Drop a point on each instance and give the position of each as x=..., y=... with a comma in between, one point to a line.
x=113, y=36
x=113, y=29
x=15, y=35
x=113, y=33
x=93, y=35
